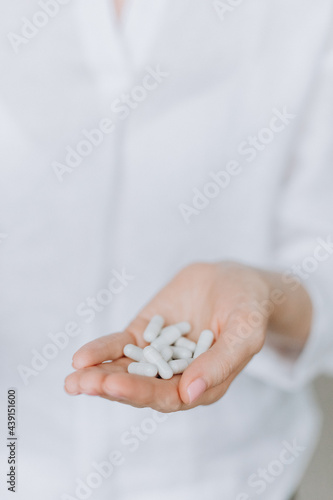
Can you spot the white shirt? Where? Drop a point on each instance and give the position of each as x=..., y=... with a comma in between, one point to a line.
x=220, y=147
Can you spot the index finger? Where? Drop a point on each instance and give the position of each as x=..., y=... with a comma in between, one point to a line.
x=109, y=347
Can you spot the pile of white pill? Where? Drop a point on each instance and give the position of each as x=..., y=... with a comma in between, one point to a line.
x=169, y=352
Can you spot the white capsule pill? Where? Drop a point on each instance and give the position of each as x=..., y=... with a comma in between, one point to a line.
x=184, y=342
x=168, y=337
x=166, y=352
x=154, y=328
x=158, y=344
x=133, y=352
x=178, y=365
x=153, y=356
x=181, y=353
x=147, y=369
x=204, y=343
x=184, y=327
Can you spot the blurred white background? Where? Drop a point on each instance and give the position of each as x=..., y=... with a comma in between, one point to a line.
x=318, y=483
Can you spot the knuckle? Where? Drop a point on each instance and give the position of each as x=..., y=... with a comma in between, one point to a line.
x=168, y=405
x=225, y=370
x=222, y=370
x=258, y=340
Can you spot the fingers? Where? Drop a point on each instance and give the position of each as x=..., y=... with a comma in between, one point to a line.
x=224, y=360
x=111, y=381
x=110, y=347
x=161, y=395
x=90, y=380
x=105, y=348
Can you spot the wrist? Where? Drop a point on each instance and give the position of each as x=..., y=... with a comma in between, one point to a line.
x=290, y=309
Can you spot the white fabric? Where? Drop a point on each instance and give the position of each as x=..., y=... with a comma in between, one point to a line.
x=225, y=76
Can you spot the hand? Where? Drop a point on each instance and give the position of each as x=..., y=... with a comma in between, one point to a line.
x=223, y=297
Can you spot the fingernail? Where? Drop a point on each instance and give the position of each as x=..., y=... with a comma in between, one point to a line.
x=196, y=389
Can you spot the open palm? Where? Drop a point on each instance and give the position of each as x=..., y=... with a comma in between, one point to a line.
x=215, y=296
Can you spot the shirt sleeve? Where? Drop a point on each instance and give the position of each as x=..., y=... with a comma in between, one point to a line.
x=303, y=236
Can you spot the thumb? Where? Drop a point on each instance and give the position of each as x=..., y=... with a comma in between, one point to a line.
x=228, y=356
